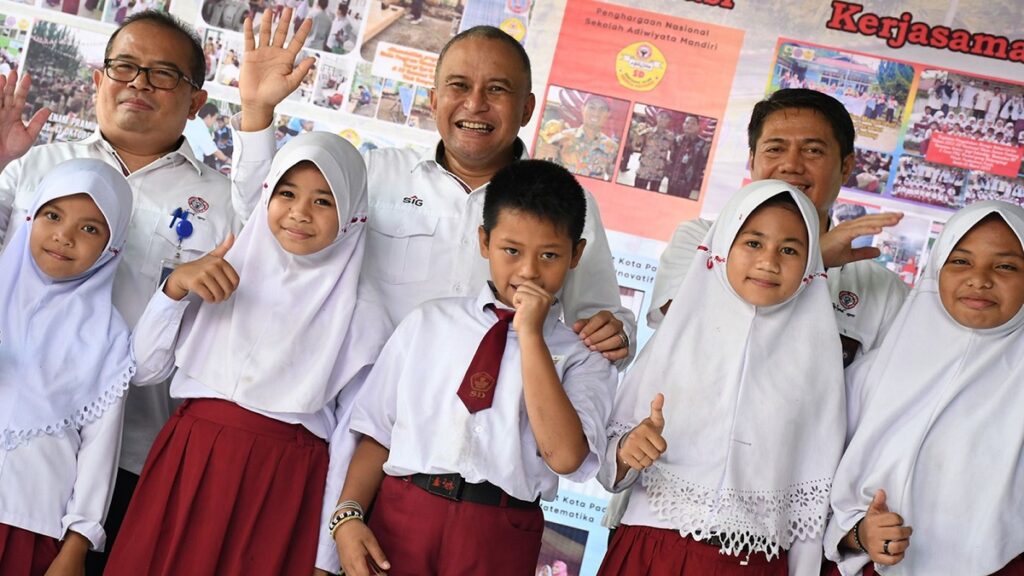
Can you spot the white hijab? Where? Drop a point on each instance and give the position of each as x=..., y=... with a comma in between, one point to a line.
x=292, y=335
x=64, y=349
x=937, y=414
x=754, y=400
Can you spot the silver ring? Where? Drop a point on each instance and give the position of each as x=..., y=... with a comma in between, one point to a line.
x=885, y=547
x=624, y=339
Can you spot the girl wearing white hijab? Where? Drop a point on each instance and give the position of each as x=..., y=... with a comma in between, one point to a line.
x=65, y=365
x=235, y=482
x=936, y=417
x=737, y=450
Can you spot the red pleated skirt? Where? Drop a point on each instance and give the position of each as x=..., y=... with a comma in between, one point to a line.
x=224, y=491
x=1014, y=568
x=647, y=551
x=24, y=553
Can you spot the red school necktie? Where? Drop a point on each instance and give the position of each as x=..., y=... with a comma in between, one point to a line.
x=477, y=388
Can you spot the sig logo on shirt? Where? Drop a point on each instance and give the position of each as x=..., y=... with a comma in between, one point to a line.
x=414, y=200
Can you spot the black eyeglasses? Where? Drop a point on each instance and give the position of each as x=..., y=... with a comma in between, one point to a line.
x=159, y=78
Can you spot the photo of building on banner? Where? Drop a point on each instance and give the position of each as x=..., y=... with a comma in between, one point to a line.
x=874, y=91
x=622, y=108
x=61, y=59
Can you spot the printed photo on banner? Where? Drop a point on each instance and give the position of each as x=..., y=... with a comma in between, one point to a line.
x=928, y=183
x=421, y=116
x=969, y=122
x=870, y=171
x=365, y=94
x=901, y=246
x=666, y=151
x=561, y=550
x=875, y=91
x=336, y=23
x=117, y=10
x=581, y=131
x=61, y=59
x=13, y=40
x=209, y=134
x=288, y=127
x=418, y=24
x=91, y=9
x=332, y=82
x=982, y=186
x=396, y=101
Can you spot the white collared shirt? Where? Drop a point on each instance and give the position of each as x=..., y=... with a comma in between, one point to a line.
x=422, y=241
x=175, y=180
x=865, y=296
x=54, y=483
x=410, y=403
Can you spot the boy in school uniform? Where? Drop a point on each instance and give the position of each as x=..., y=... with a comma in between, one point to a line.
x=478, y=404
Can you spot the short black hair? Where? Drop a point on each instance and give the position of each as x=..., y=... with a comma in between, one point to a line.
x=489, y=33
x=802, y=98
x=208, y=109
x=541, y=189
x=197, y=66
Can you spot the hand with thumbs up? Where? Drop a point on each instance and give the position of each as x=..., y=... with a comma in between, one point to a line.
x=210, y=277
x=642, y=445
x=881, y=532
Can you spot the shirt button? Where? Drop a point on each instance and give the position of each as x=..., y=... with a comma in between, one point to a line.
x=478, y=429
x=465, y=241
x=400, y=231
x=457, y=287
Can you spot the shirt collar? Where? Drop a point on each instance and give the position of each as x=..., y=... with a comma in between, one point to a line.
x=184, y=149
x=435, y=153
x=487, y=298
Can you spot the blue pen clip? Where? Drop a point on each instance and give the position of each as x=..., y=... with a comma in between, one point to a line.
x=179, y=221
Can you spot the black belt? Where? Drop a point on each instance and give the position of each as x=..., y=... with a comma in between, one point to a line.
x=455, y=487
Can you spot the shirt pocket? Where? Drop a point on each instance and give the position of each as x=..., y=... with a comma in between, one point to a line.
x=400, y=246
x=163, y=244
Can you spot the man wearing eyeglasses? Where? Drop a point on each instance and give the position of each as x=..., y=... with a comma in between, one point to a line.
x=149, y=86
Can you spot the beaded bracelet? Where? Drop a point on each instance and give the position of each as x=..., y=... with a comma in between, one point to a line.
x=856, y=535
x=349, y=504
x=342, y=517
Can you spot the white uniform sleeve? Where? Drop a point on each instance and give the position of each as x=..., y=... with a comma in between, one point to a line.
x=8, y=189
x=593, y=286
x=804, y=557
x=376, y=407
x=590, y=387
x=155, y=337
x=250, y=164
x=674, y=263
x=342, y=446
x=94, y=482
x=894, y=297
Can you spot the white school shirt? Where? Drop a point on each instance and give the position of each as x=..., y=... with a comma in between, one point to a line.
x=410, y=403
x=61, y=483
x=153, y=344
x=865, y=296
x=176, y=180
x=422, y=241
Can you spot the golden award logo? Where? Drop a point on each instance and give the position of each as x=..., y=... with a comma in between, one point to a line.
x=640, y=67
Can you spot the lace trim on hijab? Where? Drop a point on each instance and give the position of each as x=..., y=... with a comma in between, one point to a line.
x=85, y=415
x=745, y=521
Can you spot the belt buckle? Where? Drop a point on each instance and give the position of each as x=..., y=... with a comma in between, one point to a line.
x=445, y=485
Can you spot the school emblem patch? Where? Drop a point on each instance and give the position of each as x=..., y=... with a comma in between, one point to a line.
x=198, y=205
x=848, y=300
x=480, y=383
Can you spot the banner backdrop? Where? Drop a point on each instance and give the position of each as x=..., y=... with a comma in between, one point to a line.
x=646, y=101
